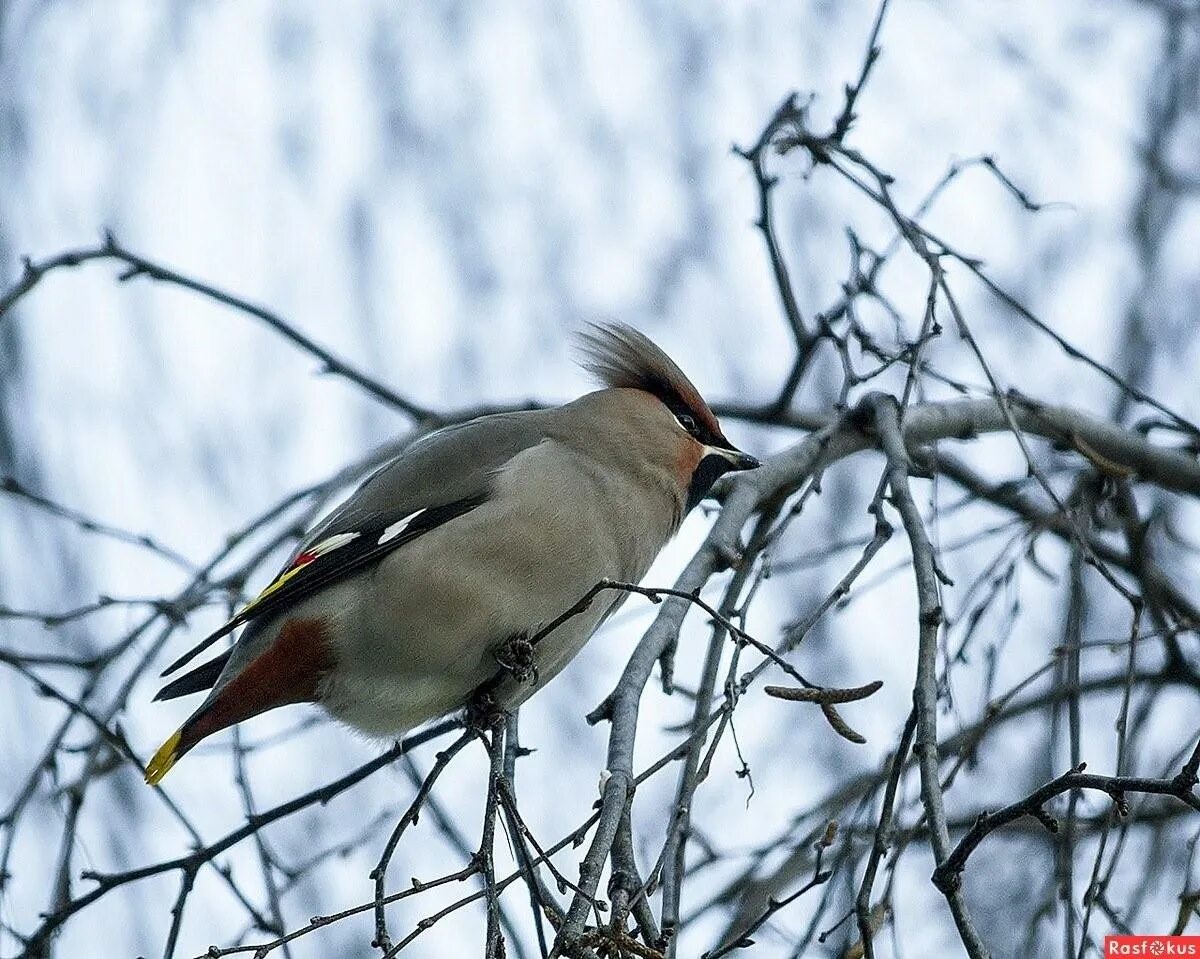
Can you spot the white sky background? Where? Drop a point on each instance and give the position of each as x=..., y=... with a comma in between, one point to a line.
x=441, y=195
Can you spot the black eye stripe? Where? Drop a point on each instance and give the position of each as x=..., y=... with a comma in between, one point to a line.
x=697, y=428
x=699, y=431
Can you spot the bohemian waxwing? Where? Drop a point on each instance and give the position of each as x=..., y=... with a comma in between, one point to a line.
x=401, y=603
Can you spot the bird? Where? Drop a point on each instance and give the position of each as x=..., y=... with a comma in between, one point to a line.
x=431, y=581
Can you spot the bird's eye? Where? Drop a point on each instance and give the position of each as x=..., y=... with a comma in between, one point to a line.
x=687, y=422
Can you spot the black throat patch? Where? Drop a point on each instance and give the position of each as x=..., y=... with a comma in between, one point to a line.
x=710, y=469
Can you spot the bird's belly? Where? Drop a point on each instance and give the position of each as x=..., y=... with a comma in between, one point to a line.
x=400, y=695
x=389, y=706
x=453, y=624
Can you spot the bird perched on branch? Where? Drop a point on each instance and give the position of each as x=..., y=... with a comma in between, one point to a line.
x=432, y=581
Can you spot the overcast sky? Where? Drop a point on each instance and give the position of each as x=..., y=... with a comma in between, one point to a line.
x=441, y=194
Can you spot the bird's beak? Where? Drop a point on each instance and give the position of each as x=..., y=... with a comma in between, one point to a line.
x=736, y=459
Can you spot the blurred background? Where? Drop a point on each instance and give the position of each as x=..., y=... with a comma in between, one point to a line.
x=442, y=194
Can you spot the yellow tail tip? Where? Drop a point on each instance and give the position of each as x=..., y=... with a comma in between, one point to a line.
x=164, y=759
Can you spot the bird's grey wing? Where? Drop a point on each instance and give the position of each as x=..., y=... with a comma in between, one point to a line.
x=447, y=465
x=441, y=477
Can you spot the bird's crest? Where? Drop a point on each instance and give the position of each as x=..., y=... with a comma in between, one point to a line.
x=621, y=357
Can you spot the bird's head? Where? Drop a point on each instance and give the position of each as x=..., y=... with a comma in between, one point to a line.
x=666, y=421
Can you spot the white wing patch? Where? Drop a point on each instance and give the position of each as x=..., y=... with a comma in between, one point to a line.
x=298, y=564
x=398, y=527
x=332, y=543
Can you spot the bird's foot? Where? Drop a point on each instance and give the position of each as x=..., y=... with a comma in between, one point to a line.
x=483, y=713
x=516, y=656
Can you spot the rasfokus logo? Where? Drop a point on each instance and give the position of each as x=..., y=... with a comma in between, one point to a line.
x=1153, y=946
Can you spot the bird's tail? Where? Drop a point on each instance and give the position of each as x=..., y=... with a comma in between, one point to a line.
x=205, y=721
x=168, y=754
x=289, y=670
x=191, y=732
x=223, y=709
